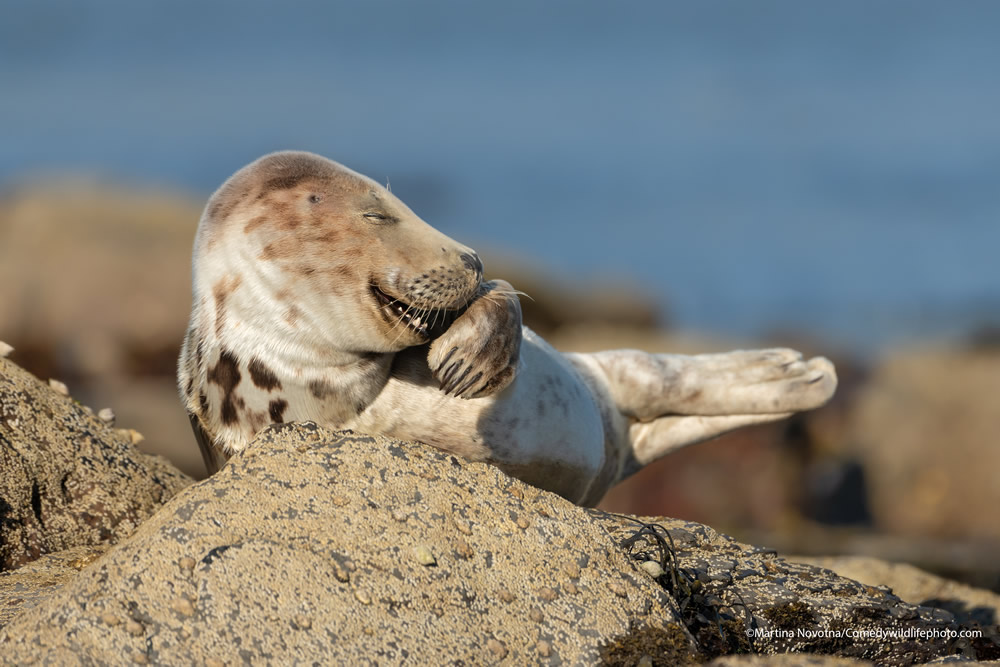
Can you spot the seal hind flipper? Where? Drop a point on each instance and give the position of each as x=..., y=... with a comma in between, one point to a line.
x=213, y=458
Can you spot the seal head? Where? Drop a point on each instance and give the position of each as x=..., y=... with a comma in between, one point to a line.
x=307, y=278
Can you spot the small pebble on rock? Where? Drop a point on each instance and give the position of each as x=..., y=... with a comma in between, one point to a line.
x=5, y=349
x=424, y=555
x=59, y=387
x=497, y=648
x=463, y=549
x=547, y=594
x=653, y=568
x=106, y=415
x=183, y=606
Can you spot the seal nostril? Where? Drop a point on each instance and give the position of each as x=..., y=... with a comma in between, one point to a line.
x=472, y=262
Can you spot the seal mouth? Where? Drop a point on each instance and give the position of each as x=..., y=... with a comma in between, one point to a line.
x=421, y=321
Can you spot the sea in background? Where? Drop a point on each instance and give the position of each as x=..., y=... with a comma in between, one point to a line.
x=831, y=168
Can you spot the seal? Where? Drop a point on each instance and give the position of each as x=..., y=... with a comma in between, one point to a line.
x=320, y=296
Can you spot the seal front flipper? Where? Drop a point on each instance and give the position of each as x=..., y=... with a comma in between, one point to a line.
x=210, y=454
x=478, y=354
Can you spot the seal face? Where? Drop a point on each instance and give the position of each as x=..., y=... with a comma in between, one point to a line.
x=322, y=234
x=318, y=295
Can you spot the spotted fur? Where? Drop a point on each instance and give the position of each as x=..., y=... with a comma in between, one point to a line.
x=320, y=296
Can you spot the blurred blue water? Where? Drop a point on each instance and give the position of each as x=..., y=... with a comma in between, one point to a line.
x=831, y=167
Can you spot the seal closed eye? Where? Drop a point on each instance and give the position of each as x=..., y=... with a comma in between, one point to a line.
x=315, y=295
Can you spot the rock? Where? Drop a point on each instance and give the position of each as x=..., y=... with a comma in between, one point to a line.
x=129, y=254
x=786, y=660
x=969, y=604
x=38, y=580
x=314, y=546
x=66, y=478
x=112, y=331
x=740, y=599
x=926, y=430
x=343, y=548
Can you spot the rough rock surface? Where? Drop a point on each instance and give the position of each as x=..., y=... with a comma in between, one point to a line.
x=740, y=599
x=969, y=604
x=349, y=548
x=337, y=547
x=67, y=478
x=342, y=548
x=29, y=584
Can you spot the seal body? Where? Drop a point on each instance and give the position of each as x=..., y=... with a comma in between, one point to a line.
x=319, y=296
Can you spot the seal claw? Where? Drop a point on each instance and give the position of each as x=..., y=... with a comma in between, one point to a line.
x=448, y=356
x=468, y=385
x=450, y=389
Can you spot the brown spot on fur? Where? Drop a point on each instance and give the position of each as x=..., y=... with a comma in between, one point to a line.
x=254, y=223
x=189, y=388
x=203, y=403
x=225, y=202
x=289, y=221
x=221, y=291
x=268, y=253
x=276, y=409
x=283, y=248
x=285, y=181
x=330, y=236
x=342, y=271
x=263, y=376
x=258, y=420
x=320, y=389
x=226, y=374
x=292, y=316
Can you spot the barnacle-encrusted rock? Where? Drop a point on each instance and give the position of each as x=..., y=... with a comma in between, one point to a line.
x=66, y=478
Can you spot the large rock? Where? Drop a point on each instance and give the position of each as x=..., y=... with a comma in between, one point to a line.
x=342, y=548
x=67, y=478
x=348, y=548
x=927, y=430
